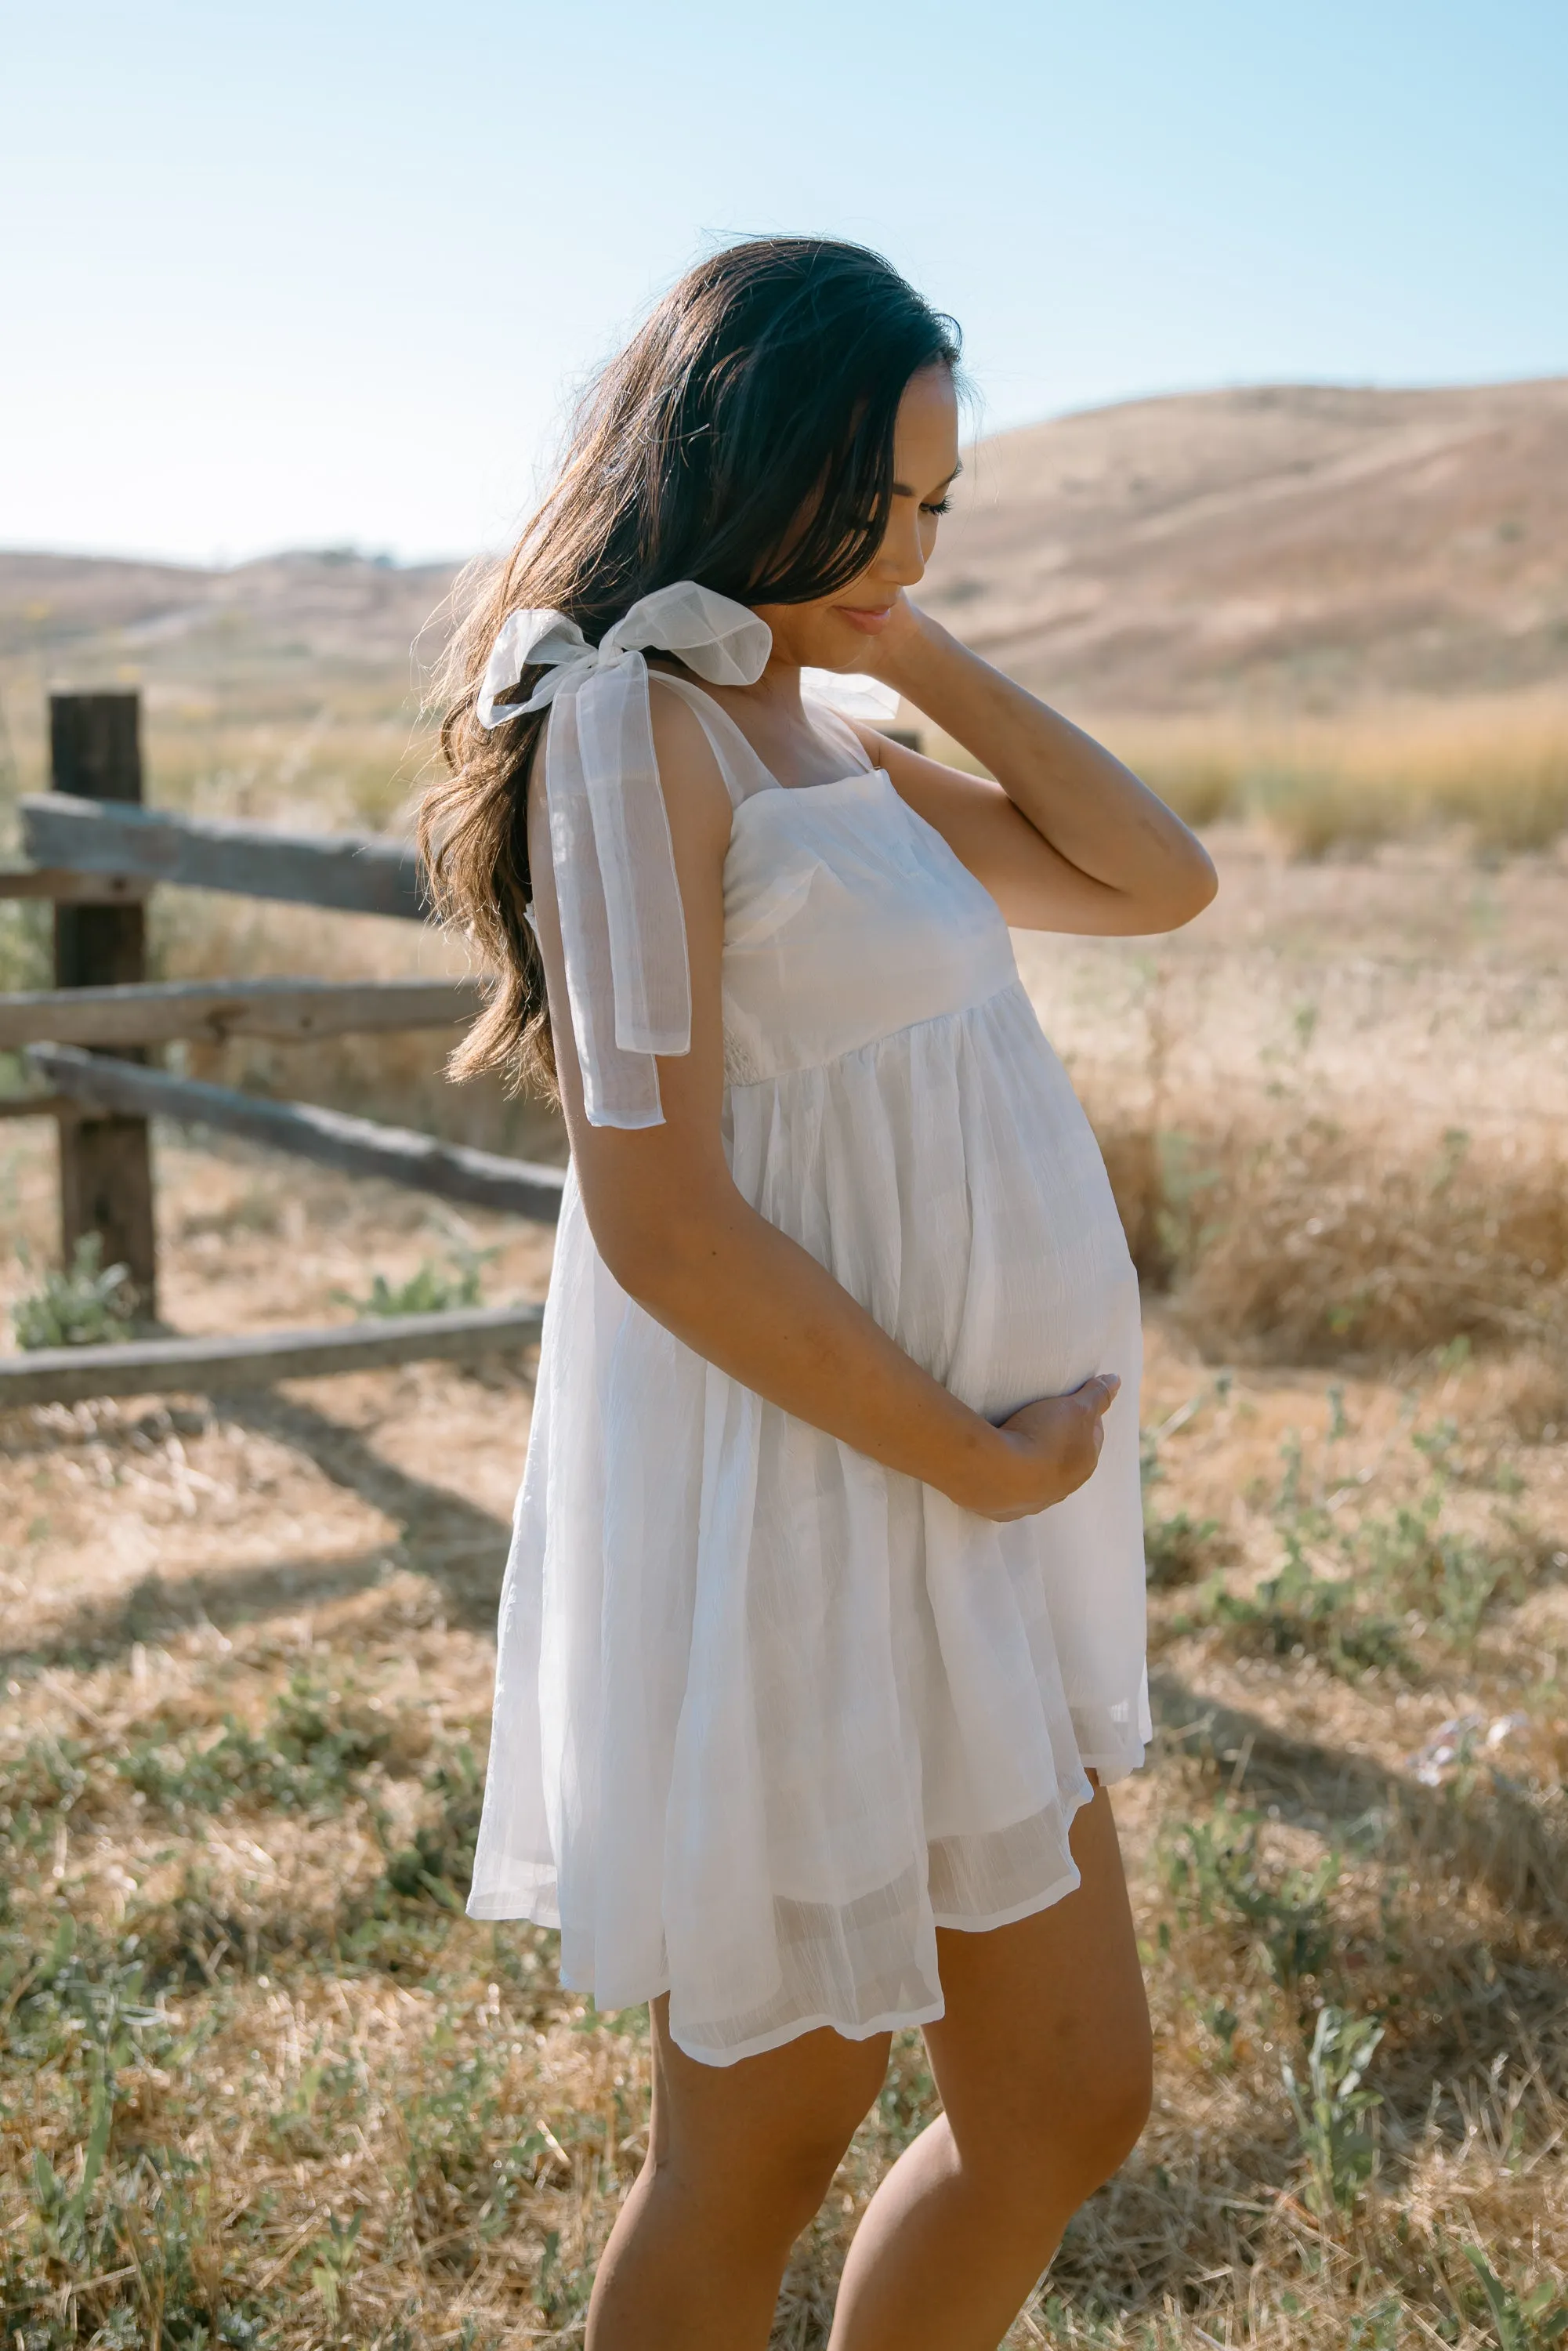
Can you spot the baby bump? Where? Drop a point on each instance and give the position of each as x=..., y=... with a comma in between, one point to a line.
x=949, y=1179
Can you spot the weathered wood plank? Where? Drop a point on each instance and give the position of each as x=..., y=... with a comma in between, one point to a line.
x=359, y=1146
x=206, y=1366
x=67, y=887
x=106, y=1165
x=37, y=1106
x=213, y=1010
x=351, y=872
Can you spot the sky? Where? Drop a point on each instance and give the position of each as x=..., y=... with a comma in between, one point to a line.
x=328, y=274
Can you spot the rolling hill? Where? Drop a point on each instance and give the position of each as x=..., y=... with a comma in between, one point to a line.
x=1291, y=548
x=1300, y=547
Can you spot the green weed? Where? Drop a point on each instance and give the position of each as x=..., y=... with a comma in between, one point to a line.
x=1175, y=1549
x=1212, y=1867
x=39, y=1789
x=1348, y=1594
x=1447, y=1578
x=306, y=1758
x=1299, y=1612
x=1528, y=2321
x=1334, y=2112
x=335, y=2256
x=433, y=1289
x=87, y=1306
x=440, y=1861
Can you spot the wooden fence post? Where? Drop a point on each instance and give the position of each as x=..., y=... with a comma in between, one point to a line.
x=106, y=1168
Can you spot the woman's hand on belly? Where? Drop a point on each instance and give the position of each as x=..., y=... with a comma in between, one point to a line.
x=1049, y=1450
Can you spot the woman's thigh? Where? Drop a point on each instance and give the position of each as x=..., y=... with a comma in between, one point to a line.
x=775, y=2124
x=1043, y=2055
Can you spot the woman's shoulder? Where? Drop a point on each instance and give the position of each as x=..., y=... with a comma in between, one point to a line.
x=693, y=783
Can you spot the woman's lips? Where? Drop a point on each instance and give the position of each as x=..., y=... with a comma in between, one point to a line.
x=869, y=619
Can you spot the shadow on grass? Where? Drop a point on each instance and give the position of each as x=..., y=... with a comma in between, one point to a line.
x=461, y=1549
x=1493, y=1834
x=156, y=1605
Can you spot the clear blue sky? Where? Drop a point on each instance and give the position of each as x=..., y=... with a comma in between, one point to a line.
x=304, y=274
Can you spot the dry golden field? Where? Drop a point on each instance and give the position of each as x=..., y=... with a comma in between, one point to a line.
x=262, y=2083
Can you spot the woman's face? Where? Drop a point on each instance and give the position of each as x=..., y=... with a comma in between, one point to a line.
x=837, y=631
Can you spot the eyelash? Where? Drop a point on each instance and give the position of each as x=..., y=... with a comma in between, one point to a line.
x=937, y=506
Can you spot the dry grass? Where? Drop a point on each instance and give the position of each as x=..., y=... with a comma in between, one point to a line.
x=1498, y=771
x=284, y=2093
x=249, y=1671
x=1492, y=771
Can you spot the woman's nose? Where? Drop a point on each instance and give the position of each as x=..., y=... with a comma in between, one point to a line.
x=902, y=560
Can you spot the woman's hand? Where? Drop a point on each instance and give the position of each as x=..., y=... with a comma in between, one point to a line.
x=895, y=655
x=1049, y=1450
x=1066, y=838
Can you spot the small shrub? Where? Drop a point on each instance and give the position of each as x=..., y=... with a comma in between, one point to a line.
x=1212, y=1867
x=1447, y=1578
x=1175, y=1549
x=1527, y=2322
x=433, y=1289
x=90, y=1306
x=1333, y=2111
x=440, y=1861
x=306, y=1758
x=1298, y=1610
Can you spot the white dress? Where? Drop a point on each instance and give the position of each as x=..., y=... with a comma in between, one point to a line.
x=767, y=1714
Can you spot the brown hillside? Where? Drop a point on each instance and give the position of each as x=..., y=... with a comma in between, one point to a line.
x=1284, y=549
x=79, y=615
x=1289, y=548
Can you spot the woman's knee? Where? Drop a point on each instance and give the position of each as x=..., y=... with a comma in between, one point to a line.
x=1062, y=2144
x=1118, y=2110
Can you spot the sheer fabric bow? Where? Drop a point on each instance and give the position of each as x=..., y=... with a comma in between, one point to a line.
x=623, y=930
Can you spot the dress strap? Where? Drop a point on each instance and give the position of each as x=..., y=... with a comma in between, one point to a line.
x=835, y=728
x=742, y=769
x=623, y=935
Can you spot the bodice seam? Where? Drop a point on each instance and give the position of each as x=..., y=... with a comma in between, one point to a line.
x=871, y=1044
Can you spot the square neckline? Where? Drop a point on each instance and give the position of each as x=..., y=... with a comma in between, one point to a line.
x=689, y=692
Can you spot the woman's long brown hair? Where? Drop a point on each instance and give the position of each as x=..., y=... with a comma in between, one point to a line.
x=743, y=439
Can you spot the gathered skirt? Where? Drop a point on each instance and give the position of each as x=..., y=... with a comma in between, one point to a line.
x=768, y=1714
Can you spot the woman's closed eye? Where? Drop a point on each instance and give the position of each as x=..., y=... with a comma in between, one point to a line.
x=937, y=506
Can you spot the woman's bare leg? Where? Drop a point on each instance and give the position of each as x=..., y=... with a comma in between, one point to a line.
x=1043, y=2062
x=740, y=2158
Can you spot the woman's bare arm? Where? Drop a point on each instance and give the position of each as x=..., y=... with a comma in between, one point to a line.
x=679, y=1239
x=1067, y=838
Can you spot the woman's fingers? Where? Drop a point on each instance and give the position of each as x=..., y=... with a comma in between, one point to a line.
x=1058, y=1440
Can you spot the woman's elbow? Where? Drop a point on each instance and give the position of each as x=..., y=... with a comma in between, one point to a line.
x=1190, y=886
x=1202, y=884
x=658, y=1255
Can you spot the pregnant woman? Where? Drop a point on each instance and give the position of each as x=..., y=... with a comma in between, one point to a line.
x=822, y=1632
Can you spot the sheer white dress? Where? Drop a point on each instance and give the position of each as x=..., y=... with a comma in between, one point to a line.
x=768, y=1714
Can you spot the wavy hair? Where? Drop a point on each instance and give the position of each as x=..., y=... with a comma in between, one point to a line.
x=743, y=439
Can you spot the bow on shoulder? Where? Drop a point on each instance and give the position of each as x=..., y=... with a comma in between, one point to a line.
x=623, y=932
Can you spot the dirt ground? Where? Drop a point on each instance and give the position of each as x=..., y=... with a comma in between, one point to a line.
x=262, y=2083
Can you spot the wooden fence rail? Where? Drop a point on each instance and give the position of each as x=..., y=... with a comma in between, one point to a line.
x=67, y=887
x=157, y=1011
x=207, y=1366
x=351, y=873
x=356, y=1146
x=96, y=854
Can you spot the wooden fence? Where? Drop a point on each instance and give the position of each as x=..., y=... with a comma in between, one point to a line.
x=96, y=853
